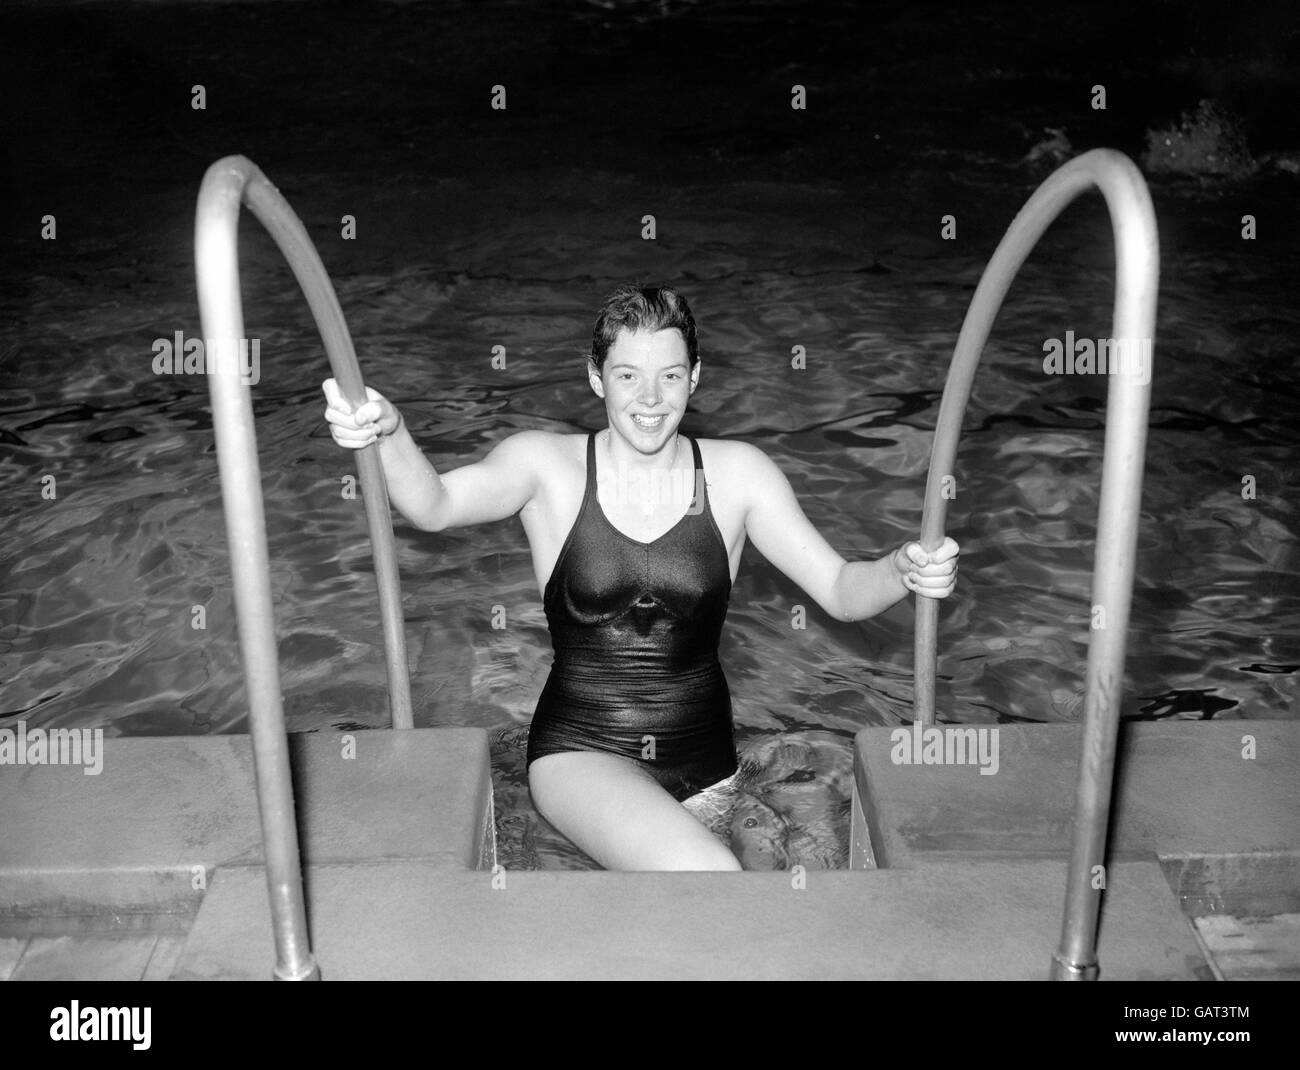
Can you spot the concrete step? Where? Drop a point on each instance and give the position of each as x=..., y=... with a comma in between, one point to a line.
x=166, y=954
x=990, y=920
x=1218, y=802
x=144, y=836
x=11, y=953
x=1253, y=949
x=86, y=958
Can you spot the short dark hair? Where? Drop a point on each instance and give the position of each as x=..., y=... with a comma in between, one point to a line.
x=642, y=308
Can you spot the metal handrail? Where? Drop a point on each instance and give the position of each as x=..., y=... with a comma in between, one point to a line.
x=227, y=183
x=1137, y=259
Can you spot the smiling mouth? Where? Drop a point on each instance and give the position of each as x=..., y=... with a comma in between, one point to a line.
x=652, y=423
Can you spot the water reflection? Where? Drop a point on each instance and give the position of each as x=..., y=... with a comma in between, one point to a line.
x=103, y=588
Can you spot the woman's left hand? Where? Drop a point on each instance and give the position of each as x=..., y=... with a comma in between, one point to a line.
x=933, y=575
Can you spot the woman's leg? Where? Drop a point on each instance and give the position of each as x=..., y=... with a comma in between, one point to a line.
x=618, y=814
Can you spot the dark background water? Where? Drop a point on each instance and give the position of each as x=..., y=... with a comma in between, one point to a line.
x=478, y=228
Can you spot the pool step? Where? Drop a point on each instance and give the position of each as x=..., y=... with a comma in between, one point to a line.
x=142, y=957
x=1217, y=802
x=141, y=839
x=1253, y=949
x=974, y=887
x=949, y=920
x=11, y=953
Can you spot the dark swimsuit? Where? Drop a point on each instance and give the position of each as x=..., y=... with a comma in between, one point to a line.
x=635, y=628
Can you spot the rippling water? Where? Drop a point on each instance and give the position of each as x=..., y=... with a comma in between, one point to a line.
x=102, y=585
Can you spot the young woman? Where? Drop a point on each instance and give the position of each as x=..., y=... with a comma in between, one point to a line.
x=636, y=534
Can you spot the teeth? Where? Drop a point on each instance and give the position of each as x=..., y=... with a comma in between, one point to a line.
x=651, y=422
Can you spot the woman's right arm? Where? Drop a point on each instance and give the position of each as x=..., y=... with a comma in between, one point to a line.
x=492, y=489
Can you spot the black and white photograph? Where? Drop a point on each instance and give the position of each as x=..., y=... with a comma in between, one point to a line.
x=650, y=490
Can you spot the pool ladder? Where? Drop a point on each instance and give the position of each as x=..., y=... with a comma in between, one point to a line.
x=228, y=182
x=235, y=180
x=1137, y=271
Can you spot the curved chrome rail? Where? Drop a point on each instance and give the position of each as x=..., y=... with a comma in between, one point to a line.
x=228, y=183
x=1137, y=259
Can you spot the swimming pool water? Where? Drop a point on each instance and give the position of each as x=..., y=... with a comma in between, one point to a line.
x=102, y=584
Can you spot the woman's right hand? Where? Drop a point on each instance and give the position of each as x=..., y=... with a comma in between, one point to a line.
x=373, y=420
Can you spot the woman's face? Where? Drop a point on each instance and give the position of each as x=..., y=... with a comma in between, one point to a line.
x=646, y=382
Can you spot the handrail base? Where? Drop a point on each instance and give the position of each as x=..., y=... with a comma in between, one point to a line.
x=312, y=974
x=1063, y=970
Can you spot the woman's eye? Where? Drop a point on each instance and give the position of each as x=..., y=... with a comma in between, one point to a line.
x=799, y=776
x=751, y=822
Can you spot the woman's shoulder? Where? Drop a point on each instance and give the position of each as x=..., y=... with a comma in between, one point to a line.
x=542, y=447
x=732, y=453
x=543, y=440
x=740, y=468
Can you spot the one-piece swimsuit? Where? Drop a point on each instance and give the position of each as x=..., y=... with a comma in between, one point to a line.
x=635, y=629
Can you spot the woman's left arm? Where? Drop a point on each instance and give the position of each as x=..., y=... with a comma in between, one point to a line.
x=779, y=530
x=859, y=586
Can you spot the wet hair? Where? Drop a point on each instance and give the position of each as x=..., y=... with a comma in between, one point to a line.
x=642, y=308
